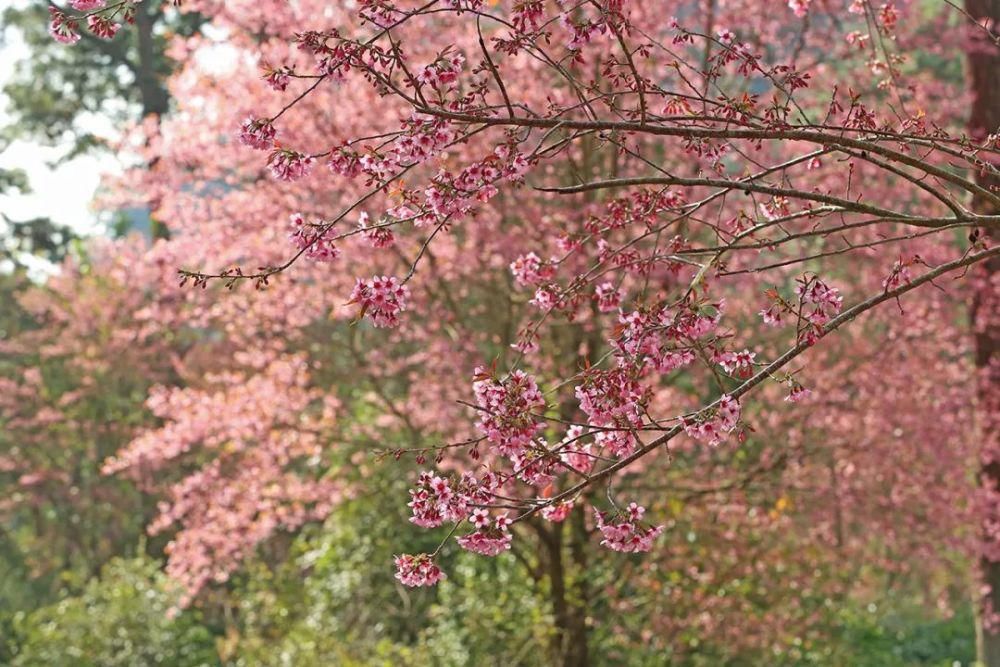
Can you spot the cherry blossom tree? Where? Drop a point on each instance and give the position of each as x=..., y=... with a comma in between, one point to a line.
x=601, y=245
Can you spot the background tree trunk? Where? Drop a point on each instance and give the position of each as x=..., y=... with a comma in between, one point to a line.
x=984, y=79
x=155, y=99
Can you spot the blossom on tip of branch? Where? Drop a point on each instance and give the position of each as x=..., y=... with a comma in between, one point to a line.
x=608, y=297
x=257, y=133
x=277, y=79
x=487, y=539
x=558, y=512
x=738, y=363
x=900, y=274
x=529, y=269
x=379, y=236
x=716, y=423
x=289, y=165
x=418, y=570
x=382, y=299
x=798, y=393
x=344, y=162
x=614, y=401
x=623, y=530
x=434, y=502
x=61, y=28
x=576, y=453
x=800, y=7
x=544, y=299
x=535, y=465
x=507, y=405
x=771, y=315
x=102, y=27
x=316, y=242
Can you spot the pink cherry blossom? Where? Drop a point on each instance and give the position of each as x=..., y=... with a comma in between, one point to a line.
x=506, y=406
x=382, y=299
x=418, y=570
x=379, y=236
x=86, y=5
x=489, y=538
x=800, y=7
x=288, y=165
x=257, y=133
x=61, y=28
x=623, y=531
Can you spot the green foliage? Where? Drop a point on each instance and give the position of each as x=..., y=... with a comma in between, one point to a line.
x=38, y=237
x=335, y=602
x=119, y=620
x=906, y=638
x=14, y=179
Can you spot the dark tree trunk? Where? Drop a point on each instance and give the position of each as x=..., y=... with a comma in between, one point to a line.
x=984, y=79
x=155, y=99
x=567, y=581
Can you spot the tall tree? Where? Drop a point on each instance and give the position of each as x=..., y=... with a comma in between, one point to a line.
x=655, y=206
x=984, y=125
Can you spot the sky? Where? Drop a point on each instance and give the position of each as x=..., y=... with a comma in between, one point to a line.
x=62, y=193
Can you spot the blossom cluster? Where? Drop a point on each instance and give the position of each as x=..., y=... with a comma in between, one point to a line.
x=609, y=297
x=418, y=570
x=65, y=29
x=665, y=337
x=277, y=78
x=574, y=451
x=529, y=269
x=490, y=537
x=714, y=424
x=422, y=138
x=314, y=238
x=824, y=301
x=557, y=512
x=613, y=401
x=102, y=26
x=624, y=531
x=382, y=299
x=379, y=236
x=288, y=165
x=506, y=407
x=443, y=72
x=737, y=363
x=450, y=194
x=257, y=133
x=535, y=465
x=62, y=28
x=818, y=303
x=900, y=274
x=434, y=502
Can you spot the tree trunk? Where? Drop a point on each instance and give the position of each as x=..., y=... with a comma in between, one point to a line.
x=984, y=79
x=569, y=609
x=155, y=99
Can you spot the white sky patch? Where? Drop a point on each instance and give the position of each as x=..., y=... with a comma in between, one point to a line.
x=217, y=57
x=63, y=193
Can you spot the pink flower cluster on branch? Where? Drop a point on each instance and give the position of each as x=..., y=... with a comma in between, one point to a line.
x=624, y=530
x=507, y=406
x=418, y=570
x=382, y=299
x=490, y=538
